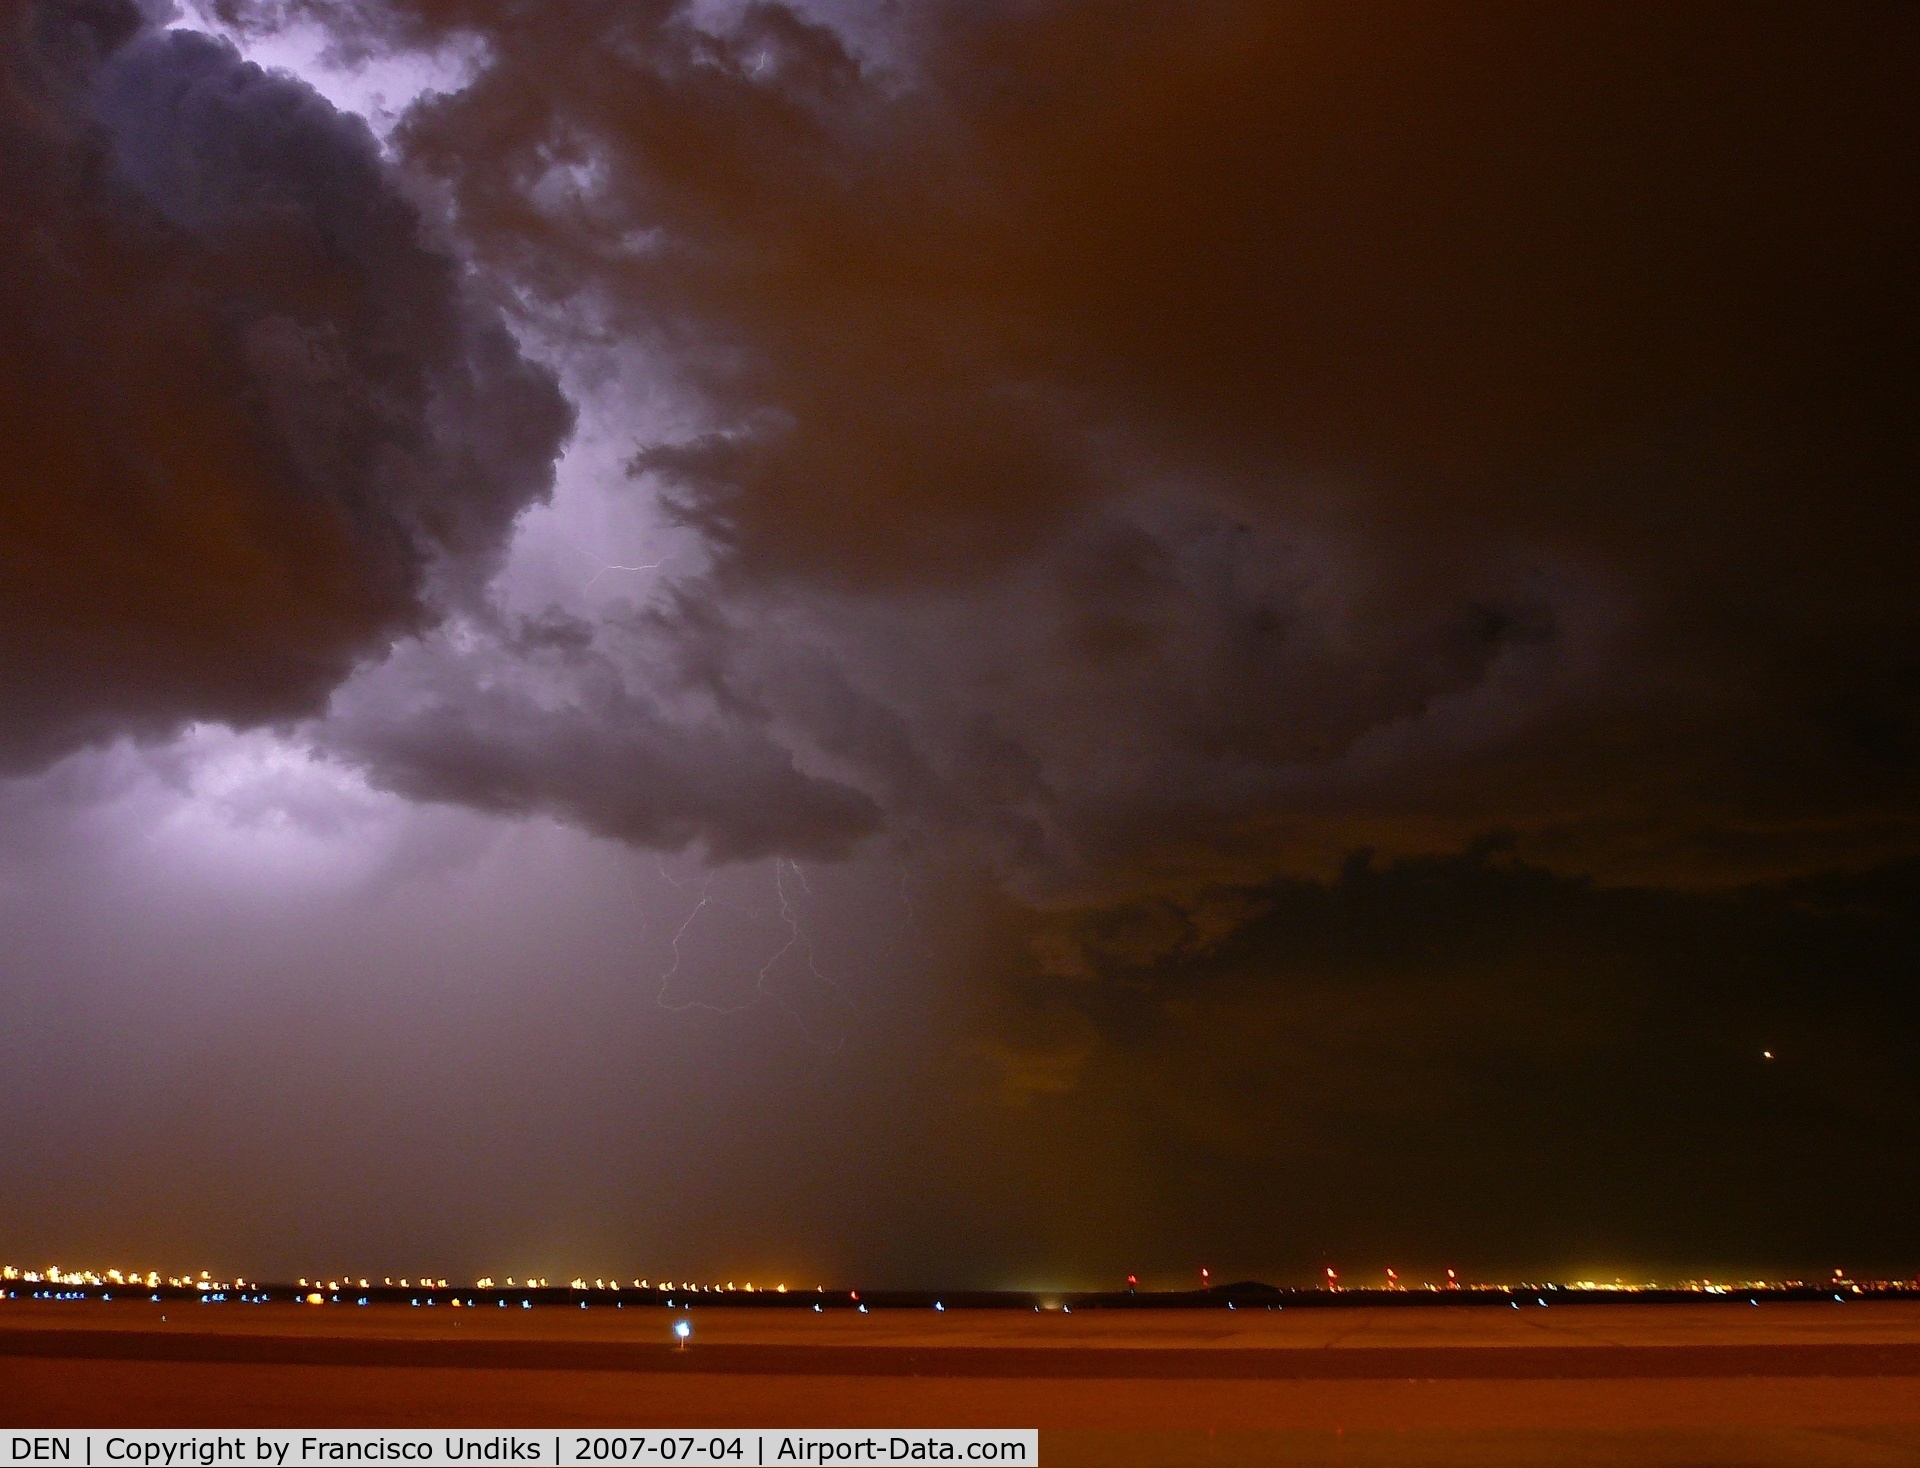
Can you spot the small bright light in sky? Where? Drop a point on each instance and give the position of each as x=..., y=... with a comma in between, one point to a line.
x=682, y=1329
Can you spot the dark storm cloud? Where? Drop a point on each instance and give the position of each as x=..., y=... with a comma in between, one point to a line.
x=1135, y=458
x=1155, y=448
x=534, y=719
x=254, y=428
x=1554, y=366
x=1469, y=1060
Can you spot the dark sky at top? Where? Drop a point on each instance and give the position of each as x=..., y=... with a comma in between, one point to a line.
x=976, y=642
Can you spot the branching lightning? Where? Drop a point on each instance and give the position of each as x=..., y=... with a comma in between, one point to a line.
x=764, y=990
x=602, y=567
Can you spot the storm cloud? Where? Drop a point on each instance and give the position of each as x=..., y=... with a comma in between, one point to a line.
x=1130, y=449
x=255, y=427
x=1344, y=574
x=1125, y=444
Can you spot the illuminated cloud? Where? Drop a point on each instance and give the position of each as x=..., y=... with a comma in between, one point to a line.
x=258, y=428
x=1127, y=449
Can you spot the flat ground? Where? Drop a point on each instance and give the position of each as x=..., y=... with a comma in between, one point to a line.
x=1719, y=1383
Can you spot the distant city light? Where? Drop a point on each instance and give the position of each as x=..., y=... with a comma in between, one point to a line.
x=105, y=1285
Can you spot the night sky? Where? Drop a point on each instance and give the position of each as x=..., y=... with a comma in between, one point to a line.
x=980, y=643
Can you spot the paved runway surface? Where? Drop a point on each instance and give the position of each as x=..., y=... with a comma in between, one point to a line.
x=1709, y=1384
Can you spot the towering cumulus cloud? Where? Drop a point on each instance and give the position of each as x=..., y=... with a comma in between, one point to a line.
x=254, y=427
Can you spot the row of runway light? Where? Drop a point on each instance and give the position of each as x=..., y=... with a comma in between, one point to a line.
x=133, y=1278
x=683, y=1328
x=317, y=1289
x=205, y=1282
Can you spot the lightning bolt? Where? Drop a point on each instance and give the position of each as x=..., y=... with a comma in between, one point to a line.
x=763, y=990
x=667, y=974
x=792, y=920
x=602, y=567
x=645, y=566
